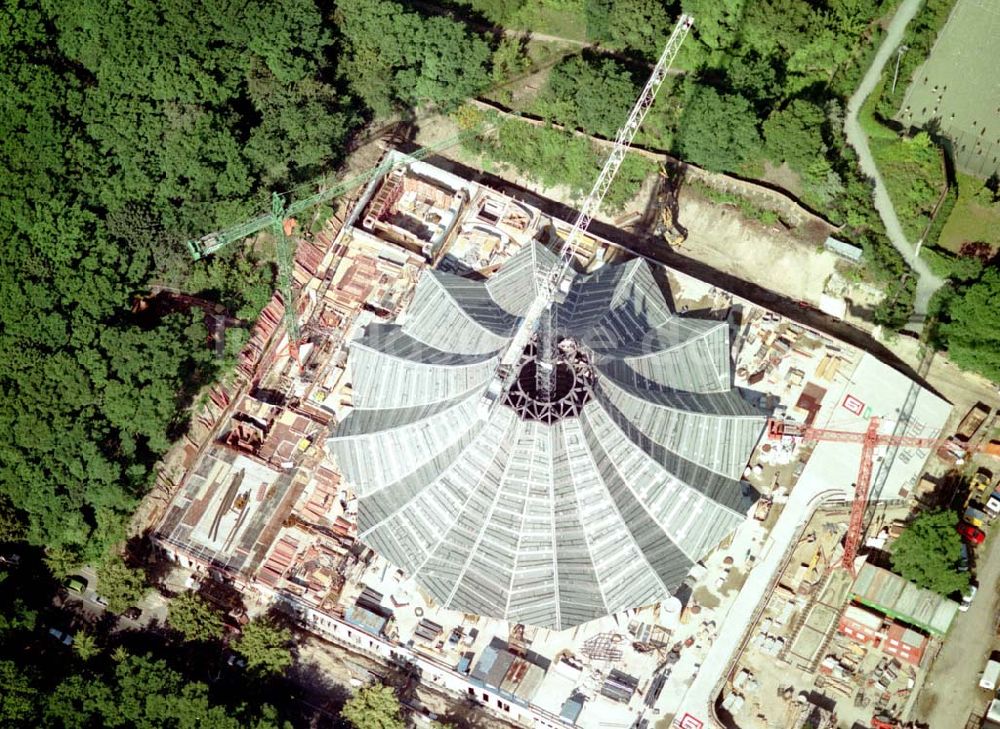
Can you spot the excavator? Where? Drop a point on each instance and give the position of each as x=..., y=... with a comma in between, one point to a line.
x=667, y=203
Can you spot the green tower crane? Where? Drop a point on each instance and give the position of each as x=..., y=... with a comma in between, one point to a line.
x=280, y=212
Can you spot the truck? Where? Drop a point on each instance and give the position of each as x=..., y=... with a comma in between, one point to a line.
x=993, y=505
x=972, y=421
x=992, y=720
x=981, y=481
x=991, y=676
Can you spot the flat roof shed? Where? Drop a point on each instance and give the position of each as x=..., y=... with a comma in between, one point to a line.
x=900, y=599
x=844, y=250
x=493, y=665
x=572, y=708
x=365, y=619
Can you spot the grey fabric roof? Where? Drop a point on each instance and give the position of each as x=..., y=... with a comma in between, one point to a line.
x=550, y=524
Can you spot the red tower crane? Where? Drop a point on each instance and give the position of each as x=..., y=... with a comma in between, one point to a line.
x=870, y=439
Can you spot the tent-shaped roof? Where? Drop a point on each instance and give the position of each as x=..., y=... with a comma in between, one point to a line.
x=558, y=512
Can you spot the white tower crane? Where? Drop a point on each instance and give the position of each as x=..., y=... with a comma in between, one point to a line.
x=556, y=280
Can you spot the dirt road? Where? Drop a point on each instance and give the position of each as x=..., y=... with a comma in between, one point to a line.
x=927, y=283
x=721, y=238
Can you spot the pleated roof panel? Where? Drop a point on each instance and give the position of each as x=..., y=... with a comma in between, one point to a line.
x=549, y=522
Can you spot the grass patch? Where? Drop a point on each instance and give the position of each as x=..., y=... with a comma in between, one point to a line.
x=552, y=157
x=973, y=220
x=745, y=205
x=562, y=18
x=948, y=265
x=913, y=171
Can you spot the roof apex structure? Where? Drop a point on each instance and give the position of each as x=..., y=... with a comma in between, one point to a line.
x=552, y=513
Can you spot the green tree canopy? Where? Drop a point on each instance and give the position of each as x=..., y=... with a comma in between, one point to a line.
x=85, y=645
x=143, y=692
x=928, y=553
x=18, y=699
x=265, y=646
x=638, y=25
x=971, y=333
x=794, y=134
x=398, y=57
x=756, y=77
x=718, y=131
x=119, y=584
x=717, y=23
x=591, y=93
x=128, y=126
x=194, y=618
x=374, y=707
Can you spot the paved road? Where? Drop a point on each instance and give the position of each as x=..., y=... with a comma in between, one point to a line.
x=153, y=605
x=927, y=283
x=951, y=689
x=796, y=513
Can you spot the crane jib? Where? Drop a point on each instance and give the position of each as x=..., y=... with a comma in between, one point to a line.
x=556, y=280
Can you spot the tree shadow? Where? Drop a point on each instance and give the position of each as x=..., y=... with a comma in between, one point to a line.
x=140, y=553
x=320, y=698
x=403, y=675
x=466, y=714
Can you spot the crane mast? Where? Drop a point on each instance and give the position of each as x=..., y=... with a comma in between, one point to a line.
x=538, y=317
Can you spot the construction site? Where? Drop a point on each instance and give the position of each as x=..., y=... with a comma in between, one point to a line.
x=571, y=485
x=264, y=506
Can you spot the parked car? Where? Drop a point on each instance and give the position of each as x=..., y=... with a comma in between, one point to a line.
x=64, y=637
x=993, y=505
x=975, y=517
x=963, y=558
x=973, y=535
x=133, y=613
x=75, y=583
x=968, y=597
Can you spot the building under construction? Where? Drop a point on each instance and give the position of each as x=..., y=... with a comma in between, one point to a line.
x=360, y=482
x=563, y=504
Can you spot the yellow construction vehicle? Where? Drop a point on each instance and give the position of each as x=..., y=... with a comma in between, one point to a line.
x=666, y=227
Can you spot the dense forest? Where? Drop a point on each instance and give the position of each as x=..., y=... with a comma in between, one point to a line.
x=161, y=677
x=121, y=690
x=126, y=128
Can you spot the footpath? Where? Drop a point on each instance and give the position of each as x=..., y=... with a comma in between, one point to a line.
x=927, y=282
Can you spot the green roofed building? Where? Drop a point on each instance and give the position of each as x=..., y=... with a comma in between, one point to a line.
x=902, y=600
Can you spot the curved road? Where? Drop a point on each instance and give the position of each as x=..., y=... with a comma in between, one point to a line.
x=927, y=282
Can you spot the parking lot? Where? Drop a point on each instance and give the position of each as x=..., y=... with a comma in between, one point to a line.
x=153, y=606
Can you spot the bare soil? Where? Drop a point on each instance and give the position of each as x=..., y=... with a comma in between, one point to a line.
x=783, y=177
